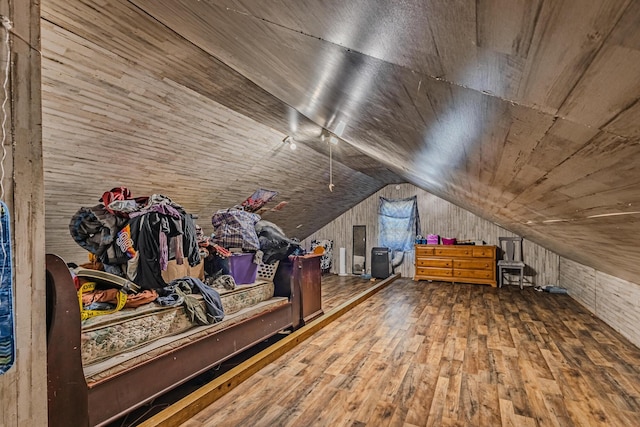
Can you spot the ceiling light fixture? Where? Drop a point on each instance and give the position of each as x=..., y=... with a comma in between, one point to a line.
x=330, y=170
x=290, y=141
x=340, y=128
x=335, y=136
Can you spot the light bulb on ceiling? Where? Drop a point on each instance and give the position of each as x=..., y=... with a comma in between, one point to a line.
x=290, y=141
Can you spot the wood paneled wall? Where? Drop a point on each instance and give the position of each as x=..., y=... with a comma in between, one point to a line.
x=23, y=388
x=615, y=301
x=437, y=216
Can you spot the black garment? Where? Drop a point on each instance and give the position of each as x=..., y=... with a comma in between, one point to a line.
x=186, y=227
x=88, y=232
x=215, y=265
x=273, y=242
x=145, y=233
x=186, y=285
x=95, y=230
x=112, y=222
x=189, y=240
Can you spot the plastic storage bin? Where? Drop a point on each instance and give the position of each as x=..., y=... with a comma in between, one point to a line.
x=446, y=241
x=433, y=239
x=242, y=268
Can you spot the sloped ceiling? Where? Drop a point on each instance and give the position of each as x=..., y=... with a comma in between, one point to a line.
x=523, y=112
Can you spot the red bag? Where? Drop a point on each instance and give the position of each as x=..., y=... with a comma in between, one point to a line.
x=116, y=193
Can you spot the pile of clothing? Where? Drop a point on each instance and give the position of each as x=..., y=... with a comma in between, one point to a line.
x=241, y=229
x=248, y=232
x=136, y=237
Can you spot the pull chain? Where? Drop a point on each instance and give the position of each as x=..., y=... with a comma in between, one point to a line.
x=330, y=169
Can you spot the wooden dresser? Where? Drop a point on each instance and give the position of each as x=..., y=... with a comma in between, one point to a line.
x=456, y=263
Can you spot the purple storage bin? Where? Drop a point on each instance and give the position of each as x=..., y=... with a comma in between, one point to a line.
x=242, y=268
x=451, y=241
x=433, y=239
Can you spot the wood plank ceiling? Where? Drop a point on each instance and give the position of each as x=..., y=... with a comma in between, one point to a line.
x=524, y=112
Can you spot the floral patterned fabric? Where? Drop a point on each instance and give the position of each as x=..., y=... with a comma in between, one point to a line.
x=327, y=256
x=106, y=336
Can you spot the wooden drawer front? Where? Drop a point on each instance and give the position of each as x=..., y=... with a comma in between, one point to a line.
x=424, y=250
x=474, y=274
x=474, y=264
x=484, y=251
x=453, y=252
x=436, y=272
x=434, y=262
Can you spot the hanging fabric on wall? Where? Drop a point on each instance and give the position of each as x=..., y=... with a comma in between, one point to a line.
x=398, y=223
x=7, y=337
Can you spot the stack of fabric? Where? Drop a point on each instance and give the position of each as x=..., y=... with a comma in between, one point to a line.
x=145, y=239
x=136, y=237
x=241, y=229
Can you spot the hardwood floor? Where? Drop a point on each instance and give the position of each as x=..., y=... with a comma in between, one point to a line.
x=338, y=289
x=437, y=354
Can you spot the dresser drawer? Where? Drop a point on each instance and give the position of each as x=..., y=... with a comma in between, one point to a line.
x=453, y=252
x=424, y=250
x=484, y=251
x=473, y=274
x=434, y=272
x=434, y=262
x=474, y=264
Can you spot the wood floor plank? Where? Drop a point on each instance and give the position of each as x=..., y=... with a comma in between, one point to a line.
x=469, y=400
x=437, y=408
x=489, y=405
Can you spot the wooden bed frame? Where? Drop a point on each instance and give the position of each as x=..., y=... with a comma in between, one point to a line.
x=73, y=403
